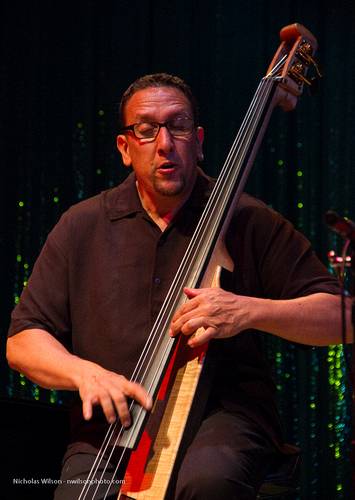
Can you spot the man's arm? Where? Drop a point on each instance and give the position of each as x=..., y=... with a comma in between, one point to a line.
x=45, y=361
x=312, y=320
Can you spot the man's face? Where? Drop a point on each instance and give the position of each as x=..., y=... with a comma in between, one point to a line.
x=165, y=167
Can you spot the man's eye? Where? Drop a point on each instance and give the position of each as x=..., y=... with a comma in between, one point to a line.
x=145, y=128
x=181, y=124
x=178, y=125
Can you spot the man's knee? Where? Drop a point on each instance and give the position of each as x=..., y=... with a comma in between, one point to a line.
x=210, y=481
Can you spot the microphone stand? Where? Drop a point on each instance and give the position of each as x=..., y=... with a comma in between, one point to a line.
x=339, y=264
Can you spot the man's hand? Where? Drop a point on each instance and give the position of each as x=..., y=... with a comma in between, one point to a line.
x=222, y=314
x=110, y=391
x=45, y=361
x=314, y=319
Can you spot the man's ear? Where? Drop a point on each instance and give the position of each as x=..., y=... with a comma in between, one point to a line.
x=123, y=148
x=200, y=135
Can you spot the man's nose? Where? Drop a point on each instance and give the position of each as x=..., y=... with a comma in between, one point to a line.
x=165, y=141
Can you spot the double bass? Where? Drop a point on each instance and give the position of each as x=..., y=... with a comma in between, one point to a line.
x=175, y=375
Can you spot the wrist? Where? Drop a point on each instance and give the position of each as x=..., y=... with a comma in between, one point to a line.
x=260, y=313
x=83, y=371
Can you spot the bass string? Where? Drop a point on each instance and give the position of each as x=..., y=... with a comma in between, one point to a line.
x=226, y=182
x=91, y=479
x=267, y=82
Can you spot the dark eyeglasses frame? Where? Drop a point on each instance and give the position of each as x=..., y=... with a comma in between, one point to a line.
x=160, y=125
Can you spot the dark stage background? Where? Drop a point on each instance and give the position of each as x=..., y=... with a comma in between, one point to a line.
x=63, y=68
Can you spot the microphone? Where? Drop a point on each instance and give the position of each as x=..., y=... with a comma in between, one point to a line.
x=342, y=225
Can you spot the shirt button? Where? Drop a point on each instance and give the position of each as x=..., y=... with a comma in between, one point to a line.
x=157, y=281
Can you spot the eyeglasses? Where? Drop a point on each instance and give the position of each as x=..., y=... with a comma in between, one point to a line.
x=148, y=131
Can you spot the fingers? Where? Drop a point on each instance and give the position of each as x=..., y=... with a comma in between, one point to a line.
x=188, y=324
x=185, y=312
x=111, y=391
x=201, y=337
x=192, y=314
x=214, y=309
x=139, y=394
x=110, y=409
x=87, y=409
x=189, y=305
x=193, y=292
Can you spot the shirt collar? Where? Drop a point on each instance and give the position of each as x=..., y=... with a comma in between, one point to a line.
x=123, y=200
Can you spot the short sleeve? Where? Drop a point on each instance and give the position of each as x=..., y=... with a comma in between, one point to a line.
x=44, y=303
x=274, y=260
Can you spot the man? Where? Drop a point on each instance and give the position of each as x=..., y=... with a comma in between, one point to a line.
x=101, y=279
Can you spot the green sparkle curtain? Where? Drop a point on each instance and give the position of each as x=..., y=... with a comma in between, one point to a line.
x=63, y=69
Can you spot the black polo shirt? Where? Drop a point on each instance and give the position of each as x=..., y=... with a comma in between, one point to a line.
x=106, y=267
